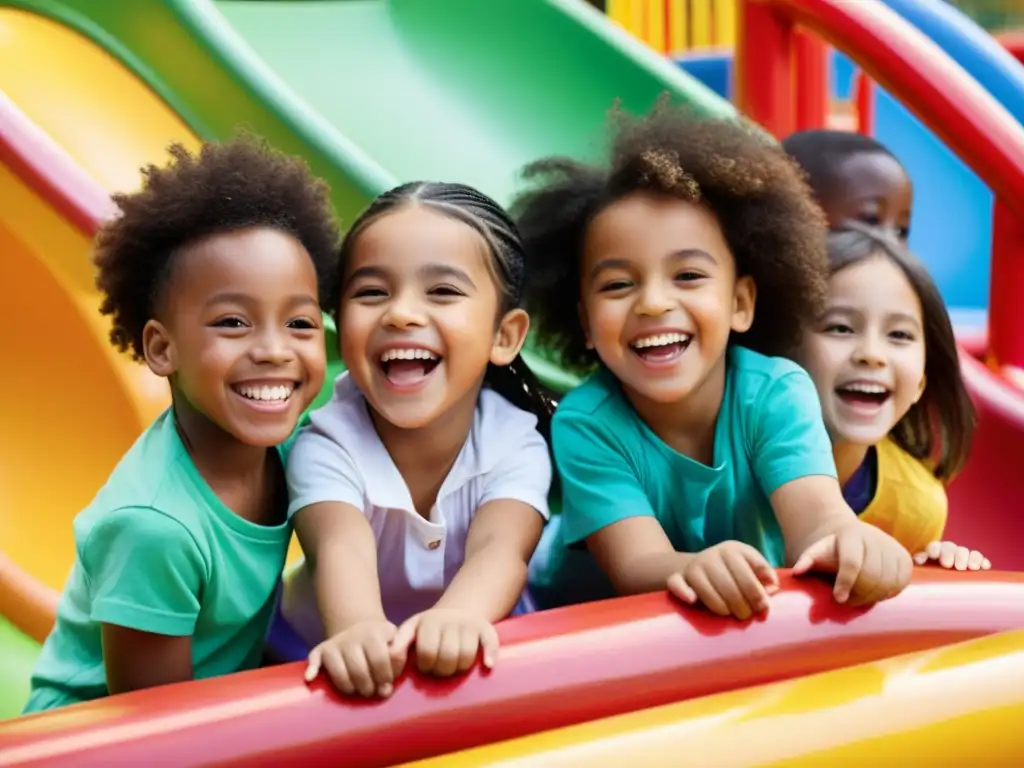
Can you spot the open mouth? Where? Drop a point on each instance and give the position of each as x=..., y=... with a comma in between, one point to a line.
x=408, y=367
x=266, y=396
x=662, y=348
x=863, y=394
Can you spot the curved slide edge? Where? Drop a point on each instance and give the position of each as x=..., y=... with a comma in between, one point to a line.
x=970, y=46
x=556, y=668
x=961, y=703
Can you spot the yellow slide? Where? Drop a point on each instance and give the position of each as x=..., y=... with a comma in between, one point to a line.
x=74, y=126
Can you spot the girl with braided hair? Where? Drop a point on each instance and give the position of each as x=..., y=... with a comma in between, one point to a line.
x=419, y=491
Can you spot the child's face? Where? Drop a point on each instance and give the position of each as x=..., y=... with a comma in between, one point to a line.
x=418, y=316
x=874, y=190
x=867, y=353
x=659, y=295
x=241, y=335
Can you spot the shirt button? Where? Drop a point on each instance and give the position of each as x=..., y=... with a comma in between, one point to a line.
x=434, y=544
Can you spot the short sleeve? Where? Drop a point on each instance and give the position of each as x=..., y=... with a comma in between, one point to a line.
x=319, y=470
x=790, y=440
x=146, y=572
x=599, y=487
x=523, y=475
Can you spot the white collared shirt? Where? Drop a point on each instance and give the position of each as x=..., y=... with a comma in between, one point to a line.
x=340, y=458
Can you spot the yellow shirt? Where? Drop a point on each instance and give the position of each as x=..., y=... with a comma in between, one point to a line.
x=910, y=503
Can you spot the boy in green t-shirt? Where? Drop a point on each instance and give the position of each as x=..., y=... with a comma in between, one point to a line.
x=211, y=275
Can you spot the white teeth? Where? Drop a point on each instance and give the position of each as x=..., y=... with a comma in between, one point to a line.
x=866, y=388
x=407, y=354
x=661, y=340
x=278, y=393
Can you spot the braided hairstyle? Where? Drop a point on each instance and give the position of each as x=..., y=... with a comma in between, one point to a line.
x=515, y=382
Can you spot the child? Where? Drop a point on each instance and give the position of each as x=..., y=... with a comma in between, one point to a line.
x=854, y=177
x=210, y=274
x=692, y=456
x=884, y=359
x=420, y=490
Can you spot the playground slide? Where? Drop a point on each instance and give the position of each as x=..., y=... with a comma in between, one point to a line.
x=371, y=92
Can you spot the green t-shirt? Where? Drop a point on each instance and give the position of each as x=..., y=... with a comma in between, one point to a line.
x=612, y=466
x=157, y=551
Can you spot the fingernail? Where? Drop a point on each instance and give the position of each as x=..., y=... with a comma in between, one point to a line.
x=386, y=690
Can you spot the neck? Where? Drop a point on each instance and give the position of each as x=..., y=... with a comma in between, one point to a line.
x=217, y=454
x=431, y=448
x=686, y=425
x=848, y=458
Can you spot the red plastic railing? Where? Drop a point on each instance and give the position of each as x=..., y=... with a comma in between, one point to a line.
x=555, y=668
x=931, y=85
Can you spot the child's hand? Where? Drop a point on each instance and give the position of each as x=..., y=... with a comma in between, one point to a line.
x=950, y=555
x=730, y=578
x=870, y=565
x=358, y=659
x=447, y=641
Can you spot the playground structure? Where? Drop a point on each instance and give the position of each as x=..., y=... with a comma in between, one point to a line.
x=129, y=100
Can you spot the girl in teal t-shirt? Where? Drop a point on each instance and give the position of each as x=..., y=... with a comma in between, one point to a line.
x=210, y=275
x=694, y=457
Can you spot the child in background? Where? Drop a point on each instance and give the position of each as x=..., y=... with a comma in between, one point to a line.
x=884, y=359
x=420, y=490
x=693, y=456
x=211, y=275
x=854, y=178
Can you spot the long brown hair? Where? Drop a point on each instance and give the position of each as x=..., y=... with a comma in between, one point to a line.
x=938, y=427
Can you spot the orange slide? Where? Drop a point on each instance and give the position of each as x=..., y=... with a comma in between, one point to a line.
x=74, y=124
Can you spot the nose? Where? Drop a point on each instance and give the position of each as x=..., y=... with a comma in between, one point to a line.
x=403, y=312
x=273, y=347
x=870, y=351
x=653, y=301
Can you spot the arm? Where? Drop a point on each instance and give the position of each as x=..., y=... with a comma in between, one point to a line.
x=342, y=554
x=792, y=459
x=604, y=504
x=147, y=574
x=504, y=533
x=326, y=500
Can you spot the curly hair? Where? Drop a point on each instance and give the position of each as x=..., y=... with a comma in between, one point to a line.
x=758, y=195
x=223, y=188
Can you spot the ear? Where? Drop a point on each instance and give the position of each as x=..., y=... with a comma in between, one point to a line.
x=920, y=391
x=744, y=298
x=581, y=310
x=510, y=337
x=159, y=349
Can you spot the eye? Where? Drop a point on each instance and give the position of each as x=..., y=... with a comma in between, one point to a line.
x=229, y=322
x=689, y=275
x=369, y=292
x=445, y=291
x=838, y=329
x=902, y=335
x=303, y=324
x=870, y=219
x=614, y=285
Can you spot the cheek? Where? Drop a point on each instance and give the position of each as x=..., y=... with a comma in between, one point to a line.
x=605, y=320
x=911, y=373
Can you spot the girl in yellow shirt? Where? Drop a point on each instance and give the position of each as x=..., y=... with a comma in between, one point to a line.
x=884, y=360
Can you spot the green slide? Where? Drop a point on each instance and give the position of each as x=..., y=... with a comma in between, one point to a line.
x=18, y=653
x=373, y=92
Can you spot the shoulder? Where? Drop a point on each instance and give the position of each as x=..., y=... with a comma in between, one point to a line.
x=343, y=418
x=896, y=467
x=596, y=407
x=754, y=374
x=502, y=432
x=102, y=531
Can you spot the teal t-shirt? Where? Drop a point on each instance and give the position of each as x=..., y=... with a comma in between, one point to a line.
x=612, y=466
x=157, y=551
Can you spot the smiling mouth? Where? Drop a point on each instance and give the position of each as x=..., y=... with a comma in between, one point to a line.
x=863, y=394
x=267, y=394
x=408, y=367
x=661, y=348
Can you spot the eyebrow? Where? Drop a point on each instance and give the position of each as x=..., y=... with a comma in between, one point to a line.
x=685, y=253
x=228, y=297
x=427, y=270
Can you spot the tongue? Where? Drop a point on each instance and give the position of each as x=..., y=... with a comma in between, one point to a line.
x=663, y=352
x=406, y=372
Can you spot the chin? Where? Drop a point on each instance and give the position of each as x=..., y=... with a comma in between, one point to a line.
x=864, y=437
x=415, y=417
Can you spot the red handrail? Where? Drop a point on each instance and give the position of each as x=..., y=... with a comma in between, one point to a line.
x=932, y=86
